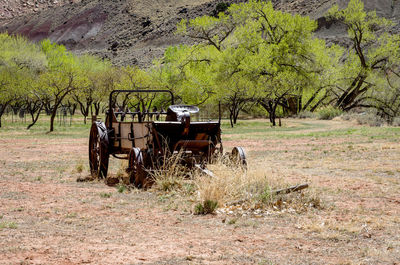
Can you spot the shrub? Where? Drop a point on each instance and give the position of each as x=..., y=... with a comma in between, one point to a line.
x=221, y=7
x=396, y=121
x=306, y=115
x=370, y=119
x=207, y=207
x=328, y=113
x=348, y=117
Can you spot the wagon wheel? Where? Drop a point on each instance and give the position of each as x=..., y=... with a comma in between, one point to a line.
x=238, y=157
x=98, y=150
x=136, y=170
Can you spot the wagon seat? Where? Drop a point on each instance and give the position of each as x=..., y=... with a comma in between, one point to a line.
x=197, y=137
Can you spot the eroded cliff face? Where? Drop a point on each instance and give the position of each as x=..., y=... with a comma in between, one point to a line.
x=138, y=31
x=16, y=8
x=127, y=31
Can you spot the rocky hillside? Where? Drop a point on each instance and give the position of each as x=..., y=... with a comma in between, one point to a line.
x=137, y=31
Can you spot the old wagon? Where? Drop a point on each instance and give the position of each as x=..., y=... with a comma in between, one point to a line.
x=146, y=138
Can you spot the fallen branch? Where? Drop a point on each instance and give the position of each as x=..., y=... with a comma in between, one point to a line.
x=290, y=189
x=276, y=192
x=204, y=170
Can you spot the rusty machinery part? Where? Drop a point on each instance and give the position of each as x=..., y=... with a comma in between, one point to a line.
x=98, y=150
x=137, y=172
x=238, y=157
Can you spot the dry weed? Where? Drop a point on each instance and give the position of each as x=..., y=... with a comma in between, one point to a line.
x=249, y=192
x=231, y=188
x=171, y=174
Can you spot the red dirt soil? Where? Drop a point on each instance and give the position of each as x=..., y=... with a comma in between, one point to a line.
x=47, y=217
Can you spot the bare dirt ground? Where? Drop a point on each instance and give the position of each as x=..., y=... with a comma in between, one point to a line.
x=46, y=217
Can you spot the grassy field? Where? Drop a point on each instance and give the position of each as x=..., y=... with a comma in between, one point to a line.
x=349, y=215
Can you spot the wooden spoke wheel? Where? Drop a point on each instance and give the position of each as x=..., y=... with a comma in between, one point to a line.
x=136, y=170
x=98, y=150
x=238, y=157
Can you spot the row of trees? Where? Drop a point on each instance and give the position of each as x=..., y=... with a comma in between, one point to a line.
x=46, y=76
x=250, y=56
x=253, y=54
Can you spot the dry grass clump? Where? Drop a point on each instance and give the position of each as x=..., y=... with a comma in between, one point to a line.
x=228, y=184
x=231, y=188
x=245, y=191
x=171, y=175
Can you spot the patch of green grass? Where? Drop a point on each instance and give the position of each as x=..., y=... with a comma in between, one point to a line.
x=79, y=167
x=261, y=129
x=232, y=221
x=9, y=225
x=71, y=215
x=17, y=130
x=105, y=195
x=262, y=126
x=265, y=262
x=206, y=207
x=121, y=188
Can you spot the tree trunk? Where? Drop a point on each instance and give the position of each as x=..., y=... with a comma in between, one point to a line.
x=318, y=103
x=48, y=108
x=1, y=113
x=235, y=117
x=3, y=109
x=272, y=118
x=34, y=119
x=33, y=107
x=85, y=109
x=270, y=107
x=52, y=117
x=231, y=118
x=73, y=109
x=351, y=93
x=57, y=103
x=97, y=108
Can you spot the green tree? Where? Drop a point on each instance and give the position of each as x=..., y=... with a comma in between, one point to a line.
x=20, y=63
x=60, y=79
x=273, y=54
x=185, y=70
x=374, y=50
x=90, y=83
